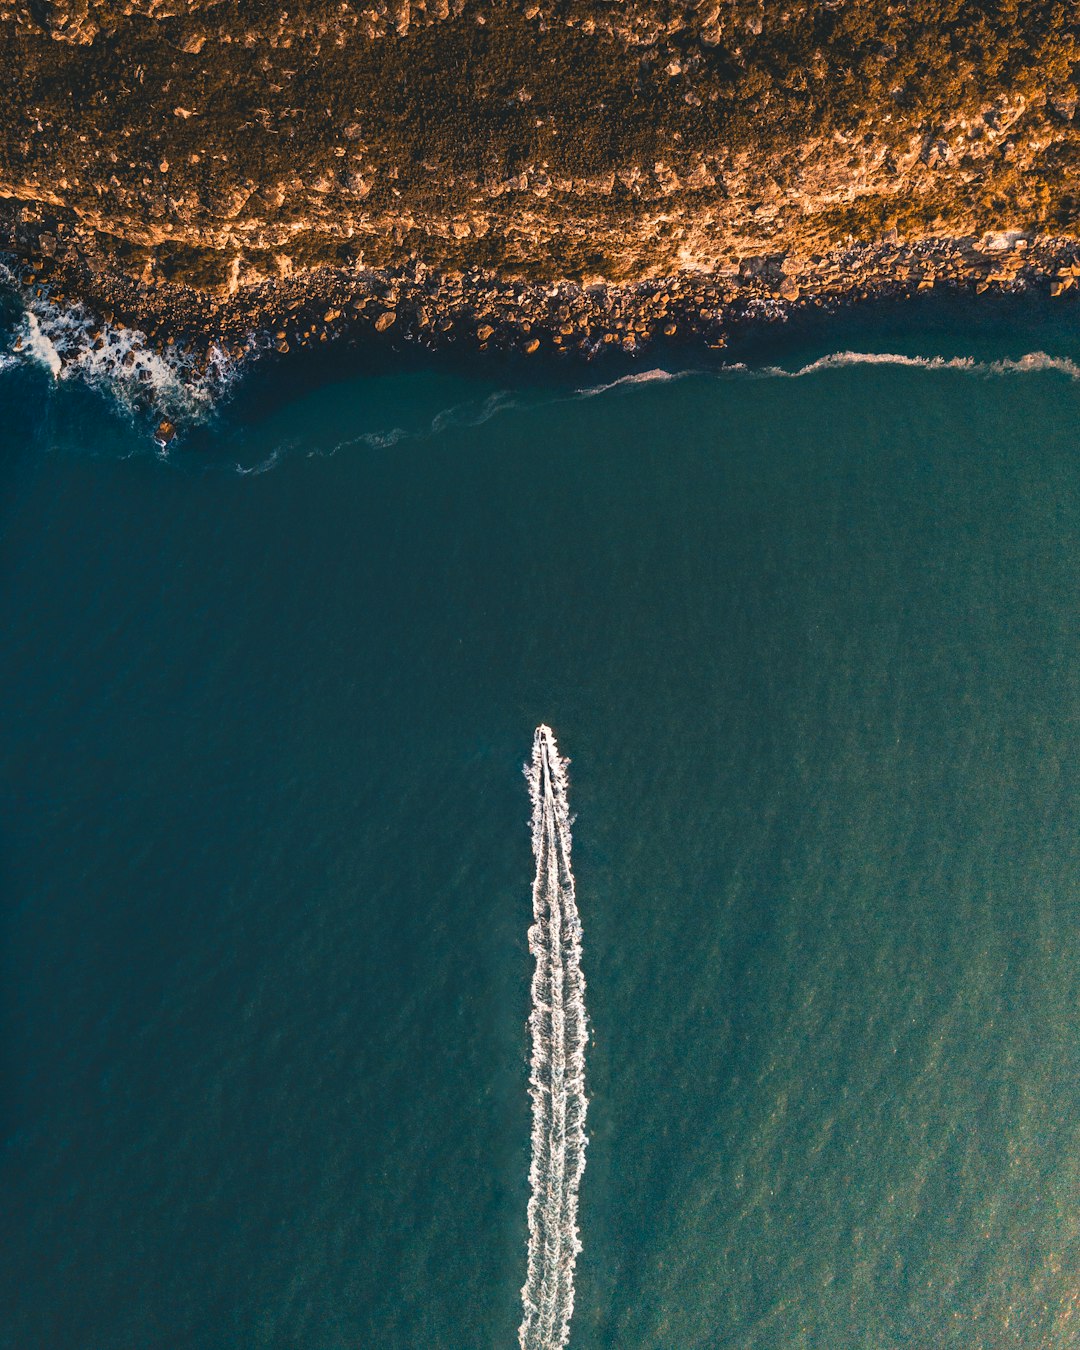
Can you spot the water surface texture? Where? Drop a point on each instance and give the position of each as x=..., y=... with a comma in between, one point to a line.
x=265, y=865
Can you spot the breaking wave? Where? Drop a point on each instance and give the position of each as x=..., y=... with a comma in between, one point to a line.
x=168, y=381
x=559, y=1031
x=70, y=343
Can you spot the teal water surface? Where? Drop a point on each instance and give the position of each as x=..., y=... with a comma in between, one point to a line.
x=812, y=647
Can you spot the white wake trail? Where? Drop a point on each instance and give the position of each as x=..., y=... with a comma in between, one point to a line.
x=559, y=1032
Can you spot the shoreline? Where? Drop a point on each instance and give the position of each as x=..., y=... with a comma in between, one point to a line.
x=474, y=312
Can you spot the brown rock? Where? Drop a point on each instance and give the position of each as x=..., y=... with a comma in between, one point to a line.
x=533, y=345
x=484, y=332
x=385, y=321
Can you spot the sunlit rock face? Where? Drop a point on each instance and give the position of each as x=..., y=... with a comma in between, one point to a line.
x=223, y=142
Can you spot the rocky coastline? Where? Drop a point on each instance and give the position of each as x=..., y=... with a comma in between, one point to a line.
x=533, y=177
x=476, y=311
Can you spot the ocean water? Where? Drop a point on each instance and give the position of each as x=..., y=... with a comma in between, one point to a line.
x=811, y=645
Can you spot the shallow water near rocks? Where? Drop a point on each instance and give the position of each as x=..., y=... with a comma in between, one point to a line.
x=265, y=859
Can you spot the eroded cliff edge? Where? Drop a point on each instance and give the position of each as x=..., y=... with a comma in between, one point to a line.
x=221, y=159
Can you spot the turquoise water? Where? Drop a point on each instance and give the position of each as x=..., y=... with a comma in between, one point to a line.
x=811, y=645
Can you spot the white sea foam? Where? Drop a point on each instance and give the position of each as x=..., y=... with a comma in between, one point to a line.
x=39, y=347
x=472, y=414
x=1032, y=361
x=71, y=344
x=1036, y=361
x=654, y=376
x=559, y=1032
x=835, y=360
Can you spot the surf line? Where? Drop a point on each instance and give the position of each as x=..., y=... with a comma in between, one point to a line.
x=559, y=1031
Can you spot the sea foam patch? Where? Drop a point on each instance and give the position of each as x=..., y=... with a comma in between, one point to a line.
x=70, y=343
x=655, y=375
x=1030, y=362
x=1021, y=365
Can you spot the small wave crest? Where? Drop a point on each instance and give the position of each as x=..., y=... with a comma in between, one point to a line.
x=837, y=360
x=1036, y=361
x=469, y=415
x=460, y=415
x=1022, y=365
x=263, y=466
x=656, y=375
x=1032, y=361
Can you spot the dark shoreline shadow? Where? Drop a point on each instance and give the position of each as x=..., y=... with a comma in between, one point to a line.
x=947, y=325
x=950, y=325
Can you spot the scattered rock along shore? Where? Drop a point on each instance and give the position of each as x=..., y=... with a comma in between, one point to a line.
x=478, y=311
x=532, y=175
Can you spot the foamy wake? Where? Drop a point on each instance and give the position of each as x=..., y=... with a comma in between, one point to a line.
x=70, y=343
x=559, y=1032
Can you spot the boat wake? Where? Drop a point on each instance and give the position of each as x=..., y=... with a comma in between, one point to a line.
x=559, y=1032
